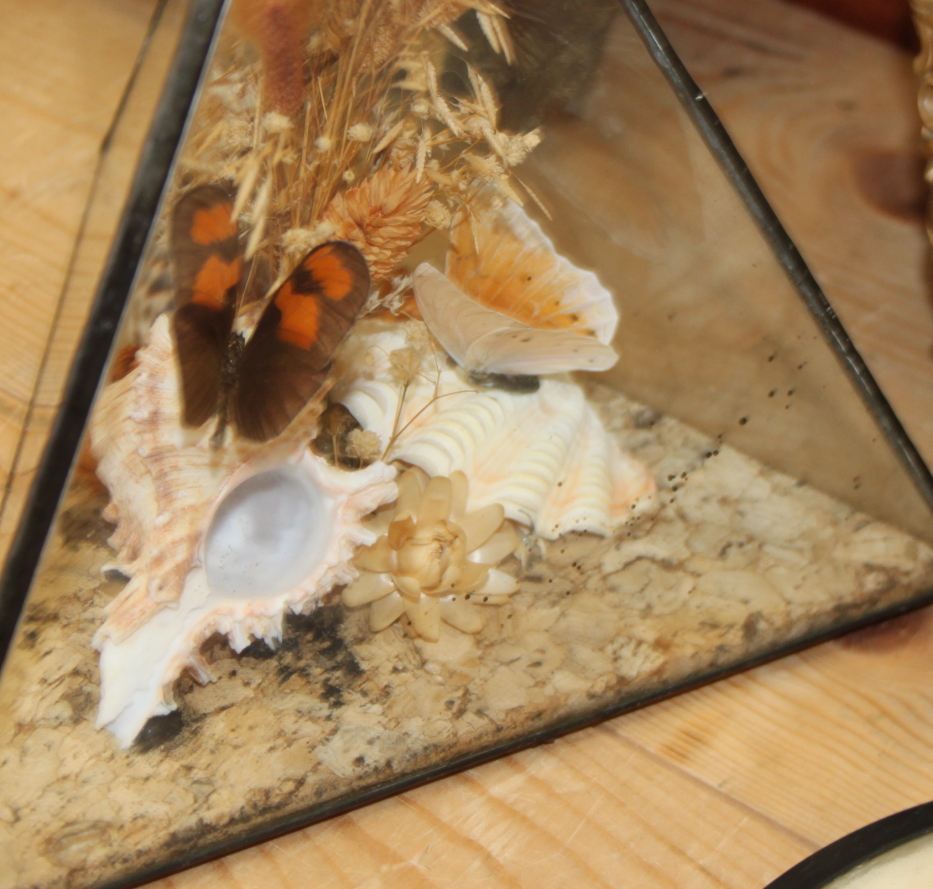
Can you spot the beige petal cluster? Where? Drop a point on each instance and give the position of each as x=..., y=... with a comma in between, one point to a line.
x=434, y=561
x=382, y=216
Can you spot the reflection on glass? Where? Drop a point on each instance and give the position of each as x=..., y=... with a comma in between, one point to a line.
x=907, y=866
x=450, y=405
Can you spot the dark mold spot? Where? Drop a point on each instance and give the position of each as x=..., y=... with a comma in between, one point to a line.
x=259, y=650
x=646, y=417
x=159, y=730
x=83, y=523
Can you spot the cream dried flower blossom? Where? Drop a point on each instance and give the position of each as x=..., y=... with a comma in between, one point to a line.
x=360, y=132
x=434, y=561
x=303, y=240
x=364, y=445
x=405, y=364
x=437, y=215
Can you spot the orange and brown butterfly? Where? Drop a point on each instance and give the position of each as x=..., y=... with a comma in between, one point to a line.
x=259, y=385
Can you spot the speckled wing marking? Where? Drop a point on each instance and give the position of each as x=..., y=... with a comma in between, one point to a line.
x=288, y=356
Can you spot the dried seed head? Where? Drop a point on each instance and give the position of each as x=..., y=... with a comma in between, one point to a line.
x=360, y=132
x=405, y=365
x=274, y=123
x=364, y=445
x=437, y=215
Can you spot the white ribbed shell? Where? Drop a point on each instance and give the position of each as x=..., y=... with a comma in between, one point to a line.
x=545, y=456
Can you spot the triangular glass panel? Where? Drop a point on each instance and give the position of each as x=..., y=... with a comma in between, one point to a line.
x=450, y=385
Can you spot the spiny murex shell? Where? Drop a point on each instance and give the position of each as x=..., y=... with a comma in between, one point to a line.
x=218, y=541
x=545, y=455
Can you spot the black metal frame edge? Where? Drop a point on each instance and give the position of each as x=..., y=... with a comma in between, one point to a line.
x=277, y=826
x=722, y=147
x=858, y=847
x=155, y=165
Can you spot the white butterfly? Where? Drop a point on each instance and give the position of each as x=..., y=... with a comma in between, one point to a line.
x=484, y=340
x=510, y=304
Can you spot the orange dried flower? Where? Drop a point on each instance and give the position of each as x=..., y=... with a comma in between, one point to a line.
x=382, y=216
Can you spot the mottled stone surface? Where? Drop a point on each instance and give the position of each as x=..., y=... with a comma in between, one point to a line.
x=738, y=561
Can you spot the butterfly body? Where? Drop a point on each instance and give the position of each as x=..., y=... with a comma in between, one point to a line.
x=261, y=383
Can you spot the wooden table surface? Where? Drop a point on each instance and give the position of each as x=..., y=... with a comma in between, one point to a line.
x=725, y=786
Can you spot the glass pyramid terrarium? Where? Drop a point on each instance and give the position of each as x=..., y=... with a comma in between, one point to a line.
x=449, y=385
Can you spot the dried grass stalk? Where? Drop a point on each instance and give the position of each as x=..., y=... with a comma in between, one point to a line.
x=372, y=150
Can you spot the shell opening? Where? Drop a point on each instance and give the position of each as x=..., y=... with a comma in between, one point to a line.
x=267, y=534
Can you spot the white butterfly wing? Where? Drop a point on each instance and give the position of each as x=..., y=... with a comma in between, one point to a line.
x=453, y=318
x=515, y=348
x=482, y=339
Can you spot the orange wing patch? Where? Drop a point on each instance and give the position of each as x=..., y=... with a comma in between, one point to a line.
x=213, y=281
x=212, y=225
x=300, y=317
x=334, y=278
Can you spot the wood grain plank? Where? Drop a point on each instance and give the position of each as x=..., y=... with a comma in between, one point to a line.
x=63, y=68
x=821, y=742
x=825, y=117
x=587, y=811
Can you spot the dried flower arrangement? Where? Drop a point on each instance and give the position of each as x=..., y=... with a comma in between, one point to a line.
x=366, y=147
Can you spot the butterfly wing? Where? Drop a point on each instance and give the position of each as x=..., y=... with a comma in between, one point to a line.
x=531, y=351
x=207, y=270
x=287, y=358
x=481, y=339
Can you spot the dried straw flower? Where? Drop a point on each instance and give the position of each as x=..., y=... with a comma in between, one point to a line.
x=382, y=216
x=299, y=241
x=437, y=215
x=404, y=364
x=364, y=445
x=360, y=132
x=434, y=561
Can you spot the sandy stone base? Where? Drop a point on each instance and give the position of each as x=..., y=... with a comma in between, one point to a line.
x=738, y=561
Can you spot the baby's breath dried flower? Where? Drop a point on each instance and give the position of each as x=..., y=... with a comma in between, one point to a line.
x=487, y=168
x=323, y=143
x=391, y=301
x=405, y=364
x=516, y=148
x=473, y=124
x=437, y=215
x=229, y=94
x=302, y=240
x=349, y=177
x=364, y=445
x=236, y=137
x=360, y=132
x=274, y=123
x=417, y=336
